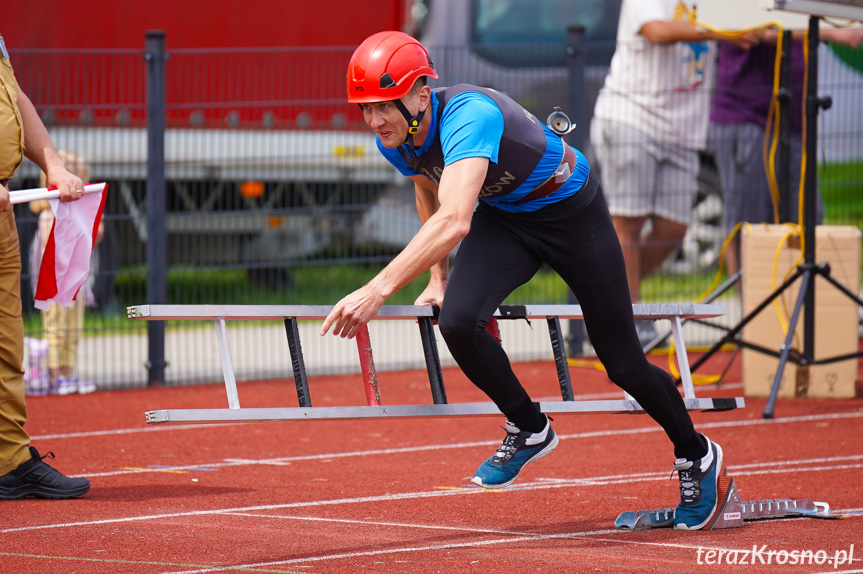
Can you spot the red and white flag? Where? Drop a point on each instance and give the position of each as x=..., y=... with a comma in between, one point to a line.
x=66, y=261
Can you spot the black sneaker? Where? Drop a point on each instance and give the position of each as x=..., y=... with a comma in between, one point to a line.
x=36, y=478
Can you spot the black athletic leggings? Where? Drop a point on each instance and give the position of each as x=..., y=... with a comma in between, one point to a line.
x=576, y=238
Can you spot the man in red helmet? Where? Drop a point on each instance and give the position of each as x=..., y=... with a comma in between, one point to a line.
x=488, y=174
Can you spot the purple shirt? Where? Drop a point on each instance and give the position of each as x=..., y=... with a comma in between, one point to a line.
x=744, y=85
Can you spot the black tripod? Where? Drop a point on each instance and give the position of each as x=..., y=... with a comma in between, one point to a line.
x=806, y=271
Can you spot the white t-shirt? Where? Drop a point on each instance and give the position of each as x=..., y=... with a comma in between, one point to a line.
x=661, y=89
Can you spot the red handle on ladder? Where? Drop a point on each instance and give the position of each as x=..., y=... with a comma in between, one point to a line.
x=367, y=364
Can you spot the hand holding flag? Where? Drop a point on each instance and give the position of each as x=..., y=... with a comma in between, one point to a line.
x=26, y=195
x=66, y=261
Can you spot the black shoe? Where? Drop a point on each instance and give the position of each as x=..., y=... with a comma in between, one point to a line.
x=36, y=478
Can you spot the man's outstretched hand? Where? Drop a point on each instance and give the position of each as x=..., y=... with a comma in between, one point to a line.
x=353, y=312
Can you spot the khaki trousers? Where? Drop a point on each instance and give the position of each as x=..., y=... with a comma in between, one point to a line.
x=62, y=330
x=13, y=412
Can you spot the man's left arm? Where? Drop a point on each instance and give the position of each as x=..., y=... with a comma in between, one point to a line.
x=40, y=150
x=458, y=191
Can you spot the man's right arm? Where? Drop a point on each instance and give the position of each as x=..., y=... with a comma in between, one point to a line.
x=663, y=31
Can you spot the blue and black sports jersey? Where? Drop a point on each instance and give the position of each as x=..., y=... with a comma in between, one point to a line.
x=469, y=121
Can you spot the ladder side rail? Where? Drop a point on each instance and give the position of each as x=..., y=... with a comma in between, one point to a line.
x=411, y=411
x=395, y=312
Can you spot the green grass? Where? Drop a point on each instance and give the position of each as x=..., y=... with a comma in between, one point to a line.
x=841, y=186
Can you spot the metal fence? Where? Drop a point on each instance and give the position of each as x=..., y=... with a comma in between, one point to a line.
x=275, y=193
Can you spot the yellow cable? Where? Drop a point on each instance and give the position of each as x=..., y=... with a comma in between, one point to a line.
x=696, y=378
x=690, y=13
x=771, y=133
x=782, y=307
x=802, y=190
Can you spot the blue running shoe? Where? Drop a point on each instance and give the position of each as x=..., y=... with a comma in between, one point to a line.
x=518, y=449
x=699, y=486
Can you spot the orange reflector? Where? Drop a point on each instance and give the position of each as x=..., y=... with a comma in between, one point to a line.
x=274, y=222
x=252, y=188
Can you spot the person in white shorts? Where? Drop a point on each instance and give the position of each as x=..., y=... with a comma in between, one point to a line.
x=650, y=121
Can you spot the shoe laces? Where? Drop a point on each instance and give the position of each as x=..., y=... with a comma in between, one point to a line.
x=690, y=486
x=508, y=448
x=49, y=454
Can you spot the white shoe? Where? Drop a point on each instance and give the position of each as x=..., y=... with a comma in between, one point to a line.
x=65, y=386
x=85, y=387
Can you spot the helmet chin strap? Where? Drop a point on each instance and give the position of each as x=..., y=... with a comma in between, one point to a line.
x=413, y=123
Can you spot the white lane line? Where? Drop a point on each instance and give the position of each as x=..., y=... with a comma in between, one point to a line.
x=378, y=523
x=540, y=484
x=623, y=479
x=402, y=549
x=402, y=450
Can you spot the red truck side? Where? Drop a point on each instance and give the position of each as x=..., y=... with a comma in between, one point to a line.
x=217, y=76
x=98, y=24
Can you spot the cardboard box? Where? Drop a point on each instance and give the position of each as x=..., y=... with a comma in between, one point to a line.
x=836, y=315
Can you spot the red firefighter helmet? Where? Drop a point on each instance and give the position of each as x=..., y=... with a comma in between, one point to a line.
x=385, y=66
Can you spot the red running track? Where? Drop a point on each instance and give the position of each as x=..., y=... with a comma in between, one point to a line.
x=394, y=495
